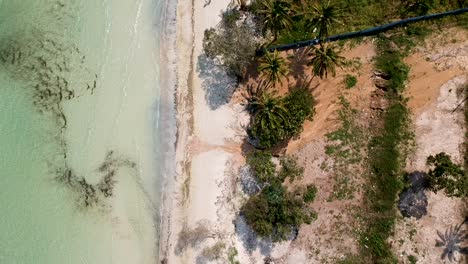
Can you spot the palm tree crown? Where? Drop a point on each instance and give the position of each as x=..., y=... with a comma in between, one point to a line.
x=273, y=66
x=269, y=112
x=324, y=60
x=276, y=16
x=322, y=16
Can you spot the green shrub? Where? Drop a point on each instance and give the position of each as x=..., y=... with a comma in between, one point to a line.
x=350, y=81
x=274, y=213
x=444, y=174
x=412, y=259
x=282, y=118
x=261, y=165
x=301, y=106
x=309, y=195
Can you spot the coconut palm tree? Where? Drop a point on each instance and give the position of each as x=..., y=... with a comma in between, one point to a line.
x=269, y=111
x=273, y=66
x=324, y=60
x=276, y=16
x=270, y=120
x=322, y=16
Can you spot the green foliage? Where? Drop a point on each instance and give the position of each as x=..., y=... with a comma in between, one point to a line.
x=290, y=169
x=387, y=155
x=276, y=119
x=276, y=16
x=412, y=259
x=234, y=40
x=261, y=165
x=345, y=146
x=417, y=7
x=273, y=66
x=350, y=81
x=324, y=60
x=309, y=195
x=270, y=120
x=389, y=61
x=300, y=104
x=232, y=254
x=446, y=175
x=322, y=15
x=274, y=213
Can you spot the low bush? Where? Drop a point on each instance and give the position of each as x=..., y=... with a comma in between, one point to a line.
x=261, y=166
x=275, y=213
x=290, y=169
x=309, y=195
x=301, y=107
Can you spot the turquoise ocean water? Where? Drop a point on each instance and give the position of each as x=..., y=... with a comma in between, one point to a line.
x=50, y=53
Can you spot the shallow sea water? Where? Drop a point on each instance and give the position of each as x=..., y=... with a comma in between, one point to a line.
x=58, y=58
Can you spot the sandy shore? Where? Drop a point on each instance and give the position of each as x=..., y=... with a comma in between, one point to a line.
x=208, y=140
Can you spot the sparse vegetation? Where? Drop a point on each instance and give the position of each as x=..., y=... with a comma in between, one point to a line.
x=309, y=195
x=345, y=145
x=446, y=175
x=350, y=81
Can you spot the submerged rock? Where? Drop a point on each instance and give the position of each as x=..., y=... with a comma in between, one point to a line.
x=413, y=201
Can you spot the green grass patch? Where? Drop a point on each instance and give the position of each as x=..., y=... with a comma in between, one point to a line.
x=387, y=155
x=350, y=81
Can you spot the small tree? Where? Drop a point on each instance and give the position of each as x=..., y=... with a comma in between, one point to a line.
x=324, y=60
x=444, y=174
x=273, y=66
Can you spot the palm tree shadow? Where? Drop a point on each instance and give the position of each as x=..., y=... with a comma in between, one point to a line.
x=217, y=84
x=298, y=61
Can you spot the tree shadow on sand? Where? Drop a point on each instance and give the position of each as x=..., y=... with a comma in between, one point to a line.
x=250, y=240
x=217, y=84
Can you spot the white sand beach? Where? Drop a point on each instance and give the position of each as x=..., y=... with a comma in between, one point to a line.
x=208, y=134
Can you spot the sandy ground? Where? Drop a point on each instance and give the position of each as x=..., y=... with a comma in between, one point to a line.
x=438, y=73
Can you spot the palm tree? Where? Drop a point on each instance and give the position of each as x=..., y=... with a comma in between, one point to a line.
x=273, y=66
x=269, y=113
x=324, y=60
x=322, y=16
x=276, y=16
